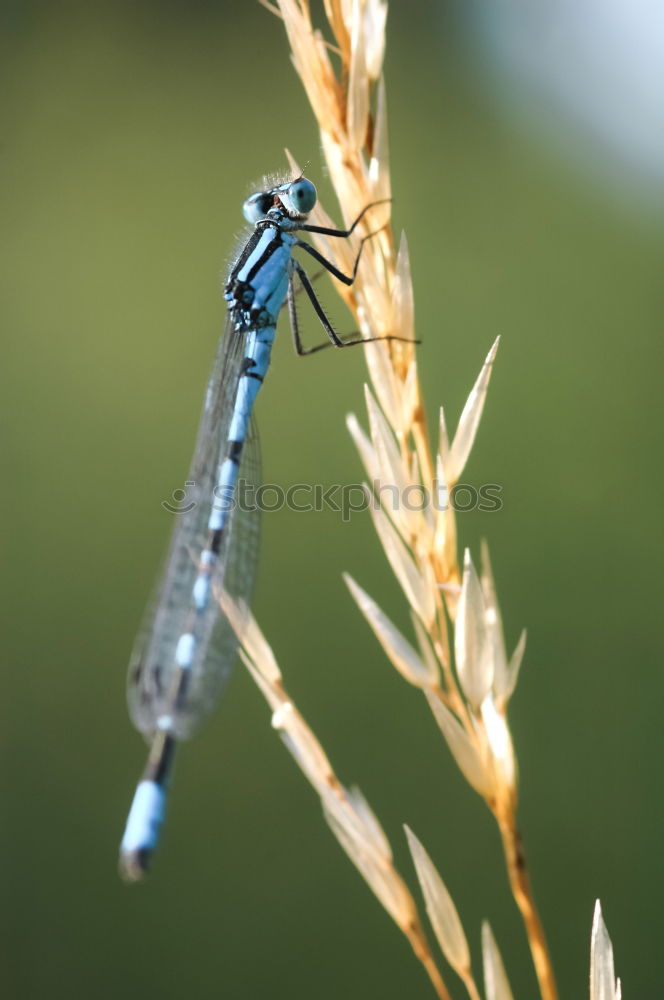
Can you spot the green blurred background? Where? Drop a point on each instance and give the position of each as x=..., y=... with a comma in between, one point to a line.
x=130, y=133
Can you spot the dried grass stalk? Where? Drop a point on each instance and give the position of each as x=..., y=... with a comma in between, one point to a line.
x=347, y=95
x=346, y=810
x=467, y=678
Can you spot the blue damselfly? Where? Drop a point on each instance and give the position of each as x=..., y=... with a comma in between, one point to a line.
x=187, y=646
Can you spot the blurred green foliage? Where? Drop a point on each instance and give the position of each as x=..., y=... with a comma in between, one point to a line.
x=130, y=135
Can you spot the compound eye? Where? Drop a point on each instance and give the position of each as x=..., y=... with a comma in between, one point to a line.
x=257, y=206
x=301, y=195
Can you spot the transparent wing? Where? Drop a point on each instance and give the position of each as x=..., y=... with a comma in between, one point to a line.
x=154, y=689
x=237, y=575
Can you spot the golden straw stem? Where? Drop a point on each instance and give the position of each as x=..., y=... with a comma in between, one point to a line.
x=517, y=870
x=421, y=949
x=469, y=983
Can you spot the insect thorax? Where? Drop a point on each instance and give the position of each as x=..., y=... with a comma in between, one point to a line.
x=240, y=297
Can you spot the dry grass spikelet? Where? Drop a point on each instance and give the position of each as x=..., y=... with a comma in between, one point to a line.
x=346, y=810
x=457, y=655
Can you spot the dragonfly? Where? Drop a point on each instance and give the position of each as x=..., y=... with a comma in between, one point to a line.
x=186, y=647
